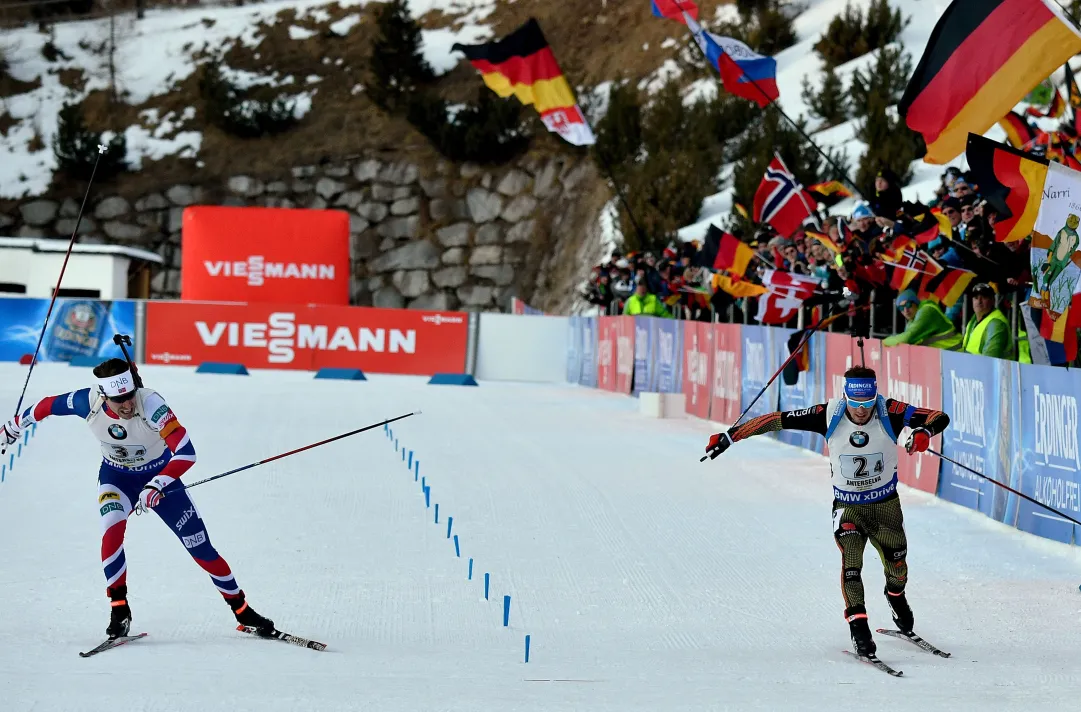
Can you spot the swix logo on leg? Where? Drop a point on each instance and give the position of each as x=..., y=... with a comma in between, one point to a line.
x=282, y=336
x=256, y=270
x=188, y=514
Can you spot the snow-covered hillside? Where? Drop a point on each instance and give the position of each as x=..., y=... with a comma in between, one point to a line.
x=155, y=54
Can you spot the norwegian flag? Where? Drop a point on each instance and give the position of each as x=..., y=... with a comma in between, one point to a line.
x=780, y=200
x=786, y=294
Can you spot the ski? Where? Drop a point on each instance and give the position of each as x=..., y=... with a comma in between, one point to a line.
x=873, y=661
x=111, y=643
x=284, y=637
x=915, y=640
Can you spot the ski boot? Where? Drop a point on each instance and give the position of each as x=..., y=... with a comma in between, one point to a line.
x=246, y=616
x=862, y=642
x=902, y=612
x=120, y=617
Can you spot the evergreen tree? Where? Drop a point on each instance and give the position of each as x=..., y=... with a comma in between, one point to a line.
x=831, y=102
x=76, y=147
x=843, y=39
x=883, y=26
x=619, y=133
x=488, y=131
x=885, y=80
x=397, y=65
x=773, y=30
x=890, y=144
x=237, y=113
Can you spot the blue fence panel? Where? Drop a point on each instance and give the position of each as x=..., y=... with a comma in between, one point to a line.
x=759, y=363
x=970, y=395
x=667, y=338
x=574, y=349
x=803, y=394
x=1050, y=439
x=644, y=373
x=587, y=373
x=1015, y=451
x=77, y=327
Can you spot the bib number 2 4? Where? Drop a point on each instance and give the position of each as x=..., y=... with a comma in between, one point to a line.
x=856, y=466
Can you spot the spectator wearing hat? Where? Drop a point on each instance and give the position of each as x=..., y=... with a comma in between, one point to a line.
x=643, y=303
x=988, y=331
x=927, y=324
x=887, y=200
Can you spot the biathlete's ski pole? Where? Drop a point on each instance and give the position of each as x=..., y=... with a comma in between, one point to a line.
x=807, y=337
x=1005, y=487
x=300, y=449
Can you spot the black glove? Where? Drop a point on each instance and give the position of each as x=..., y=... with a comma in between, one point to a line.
x=718, y=443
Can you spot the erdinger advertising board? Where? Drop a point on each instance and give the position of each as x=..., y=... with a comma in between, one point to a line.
x=726, y=383
x=805, y=392
x=759, y=363
x=265, y=255
x=1051, y=468
x=970, y=395
x=308, y=338
x=77, y=327
x=697, y=358
x=644, y=373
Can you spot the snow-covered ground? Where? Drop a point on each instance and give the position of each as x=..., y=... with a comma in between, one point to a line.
x=646, y=580
x=157, y=52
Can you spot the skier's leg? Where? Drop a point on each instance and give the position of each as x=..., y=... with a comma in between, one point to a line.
x=851, y=540
x=892, y=545
x=115, y=497
x=179, y=513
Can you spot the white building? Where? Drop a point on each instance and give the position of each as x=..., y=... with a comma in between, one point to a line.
x=30, y=267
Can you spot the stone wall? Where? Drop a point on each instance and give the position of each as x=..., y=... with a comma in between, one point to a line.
x=444, y=237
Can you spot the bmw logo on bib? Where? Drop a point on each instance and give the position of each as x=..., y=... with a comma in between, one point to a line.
x=858, y=438
x=118, y=433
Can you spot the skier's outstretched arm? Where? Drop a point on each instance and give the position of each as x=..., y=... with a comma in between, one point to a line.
x=74, y=403
x=812, y=420
x=925, y=423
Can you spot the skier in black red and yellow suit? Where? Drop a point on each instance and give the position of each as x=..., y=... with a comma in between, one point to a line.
x=861, y=430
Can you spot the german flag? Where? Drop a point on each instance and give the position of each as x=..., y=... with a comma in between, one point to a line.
x=522, y=64
x=824, y=240
x=724, y=251
x=829, y=193
x=1019, y=131
x=983, y=57
x=736, y=286
x=931, y=270
x=948, y=286
x=912, y=263
x=897, y=248
x=1011, y=178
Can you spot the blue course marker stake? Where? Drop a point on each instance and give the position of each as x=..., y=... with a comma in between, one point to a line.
x=395, y=444
x=471, y=568
x=506, y=611
x=11, y=462
x=450, y=523
x=527, y=647
x=487, y=578
x=428, y=497
x=20, y=451
x=4, y=471
x=437, y=512
x=410, y=465
x=457, y=549
x=416, y=470
x=26, y=437
x=423, y=484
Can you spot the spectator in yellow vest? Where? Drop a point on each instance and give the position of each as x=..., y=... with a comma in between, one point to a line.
x=927, y=324
x=642, y=303
x=988, y=331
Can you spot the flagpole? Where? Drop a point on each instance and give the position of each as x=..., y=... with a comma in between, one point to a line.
x=619, y=191
x=843, y=174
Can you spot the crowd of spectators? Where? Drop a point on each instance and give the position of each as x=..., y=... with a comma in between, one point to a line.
x=677, y=283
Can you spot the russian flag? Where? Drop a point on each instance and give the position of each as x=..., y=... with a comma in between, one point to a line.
x=674, y=9
x=744, y=72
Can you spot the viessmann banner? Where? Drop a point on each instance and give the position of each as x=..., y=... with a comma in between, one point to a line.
x=265, y=255
x=306, y=337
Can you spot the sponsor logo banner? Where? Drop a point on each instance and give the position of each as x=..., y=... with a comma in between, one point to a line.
x=77, y=327
x=667, y=336
x=805, y=392
x=838, y=360
x=265, y=255
x=726, y=382
x=574, y=348
x=759, y=363
x=606, y=353
x=588, y=375
x=697, y=358
x=644, y=373
x=1051, y=468
x=308, y=337
x=970, y=395
x=624, y=353
x=914, y=375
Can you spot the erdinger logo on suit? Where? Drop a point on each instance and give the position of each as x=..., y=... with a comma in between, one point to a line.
x=257, y=270
x=859, y=438
x=281, y=336
x=190, y=542
x=117, y=431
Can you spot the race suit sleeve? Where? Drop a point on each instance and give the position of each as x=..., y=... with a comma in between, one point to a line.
x=812, y=420
x=162, y=419
x=74, y=403
x=905, y=415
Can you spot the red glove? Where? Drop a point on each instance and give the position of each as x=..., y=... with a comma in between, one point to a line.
x=718, y=443
x=918, y=441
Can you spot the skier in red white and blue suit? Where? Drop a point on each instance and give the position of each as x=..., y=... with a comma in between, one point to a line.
x=145, y=450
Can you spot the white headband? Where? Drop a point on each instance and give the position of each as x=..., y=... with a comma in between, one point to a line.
x=117, y=385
